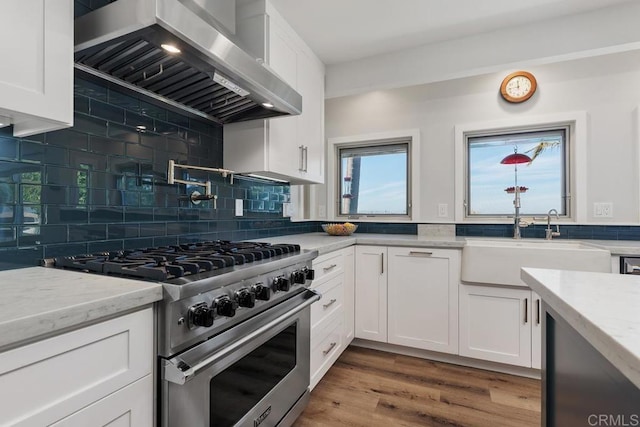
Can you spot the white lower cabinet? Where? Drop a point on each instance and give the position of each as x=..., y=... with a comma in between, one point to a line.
x=536, y=331
x=423, y=298
x=100, y=373
x=500, y=324
x=408, y=296
x=349, y=293
x=127, y=407
x=332, y=316
x=371, y=293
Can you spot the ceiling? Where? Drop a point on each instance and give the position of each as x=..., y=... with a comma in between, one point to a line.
x=345, y=30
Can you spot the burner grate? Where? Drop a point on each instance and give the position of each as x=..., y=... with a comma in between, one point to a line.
x=169, y=262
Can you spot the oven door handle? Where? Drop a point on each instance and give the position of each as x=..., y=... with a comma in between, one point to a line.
x=178, y=372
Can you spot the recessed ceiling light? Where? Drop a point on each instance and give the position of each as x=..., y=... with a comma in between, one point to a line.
x=170, y=48
x=267, y=105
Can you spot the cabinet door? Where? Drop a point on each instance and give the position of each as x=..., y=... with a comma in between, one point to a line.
x=36, y=73
x=349, y=294
x=423, y=298
x=131, y=406
x=290, y=148
x=311, y=121
x=495, y=324
x=536, y=331
x=44, y=382
x=371, y=293
x=283, y=151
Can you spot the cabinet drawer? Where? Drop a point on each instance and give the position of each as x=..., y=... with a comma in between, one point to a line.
x=331, y=301
x=43, y=382
x=325, y=352
x=328, y=265
x=131, y=406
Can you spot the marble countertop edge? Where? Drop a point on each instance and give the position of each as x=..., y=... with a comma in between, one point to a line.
x=615, y=350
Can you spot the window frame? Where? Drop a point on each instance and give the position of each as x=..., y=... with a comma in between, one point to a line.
x=374, y=144
x=576, y=123
x=410, y=137
x=566, y=181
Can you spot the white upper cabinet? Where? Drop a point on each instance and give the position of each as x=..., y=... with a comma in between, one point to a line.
x=36, y=71
x=287, y=148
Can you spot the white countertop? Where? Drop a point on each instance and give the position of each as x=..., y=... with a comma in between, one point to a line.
x=39, y=301
x=323, y=243
x=326, y=243
x=604, y=308
x=617, y=247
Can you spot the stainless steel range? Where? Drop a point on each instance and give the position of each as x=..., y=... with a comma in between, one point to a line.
x=233, y=328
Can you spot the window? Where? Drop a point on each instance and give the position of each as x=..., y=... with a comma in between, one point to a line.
x=544, y=182
x=373, y=179
x=382, y=172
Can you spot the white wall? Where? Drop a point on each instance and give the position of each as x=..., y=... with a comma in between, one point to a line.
x=607, y=88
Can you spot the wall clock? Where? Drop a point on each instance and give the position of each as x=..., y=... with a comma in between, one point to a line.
x=518, y=86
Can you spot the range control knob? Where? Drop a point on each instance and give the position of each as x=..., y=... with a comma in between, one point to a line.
x=261, y=291
x=225, y=306
x=309, y=273
x=201, y=315
x=298, y=277
x=245, y=298
x=281, y=283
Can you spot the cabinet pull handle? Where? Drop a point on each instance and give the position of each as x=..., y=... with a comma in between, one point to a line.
x=538, y=311
x=301, y=159
x=526, y=310
x=329, y=304
x=332, y=266
x=325, y=352
x=306, y=158
x=420, y=253
x=382, y=263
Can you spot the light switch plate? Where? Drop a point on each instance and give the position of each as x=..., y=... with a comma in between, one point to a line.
x=239, y=207
x=443, y=210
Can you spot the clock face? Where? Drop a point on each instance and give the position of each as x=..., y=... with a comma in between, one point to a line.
x=518, y=86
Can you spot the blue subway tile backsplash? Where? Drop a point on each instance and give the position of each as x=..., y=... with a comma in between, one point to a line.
x=537, y=231
x=101, y=185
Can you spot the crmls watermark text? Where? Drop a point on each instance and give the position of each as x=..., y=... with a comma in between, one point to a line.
x=607, y=420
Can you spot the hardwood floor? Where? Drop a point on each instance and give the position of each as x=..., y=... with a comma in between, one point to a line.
x=373, y=388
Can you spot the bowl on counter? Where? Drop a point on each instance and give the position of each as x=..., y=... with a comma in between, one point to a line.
x=336, y=229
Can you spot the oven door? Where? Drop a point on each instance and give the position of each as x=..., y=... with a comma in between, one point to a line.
x=253, y=374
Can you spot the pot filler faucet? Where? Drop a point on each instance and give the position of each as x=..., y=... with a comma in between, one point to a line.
x=549, y=233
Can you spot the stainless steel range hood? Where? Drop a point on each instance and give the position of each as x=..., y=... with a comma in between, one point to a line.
x=210, y=76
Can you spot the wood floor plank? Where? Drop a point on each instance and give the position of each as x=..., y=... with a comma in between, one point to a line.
x=378, y=389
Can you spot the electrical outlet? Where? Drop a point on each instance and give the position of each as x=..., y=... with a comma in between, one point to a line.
x=322, y=211
x=443, y=210
x=603, y=210
x=239, y=207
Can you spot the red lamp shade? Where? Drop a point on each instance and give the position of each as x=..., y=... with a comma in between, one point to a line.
x=515, y=159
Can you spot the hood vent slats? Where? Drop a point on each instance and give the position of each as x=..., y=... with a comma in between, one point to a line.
x=148, y=67
x=106, y=49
